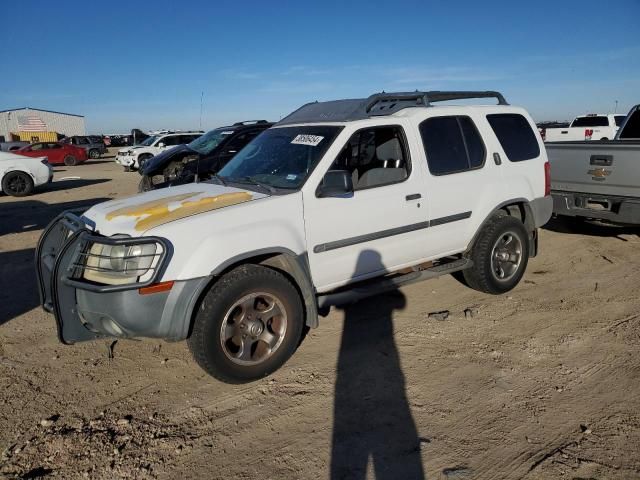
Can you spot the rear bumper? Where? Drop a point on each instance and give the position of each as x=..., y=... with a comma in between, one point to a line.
x=85, y=311
x=542, y=209
x=602, y=207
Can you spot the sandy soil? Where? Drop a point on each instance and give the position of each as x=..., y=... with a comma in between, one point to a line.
x=540, y=383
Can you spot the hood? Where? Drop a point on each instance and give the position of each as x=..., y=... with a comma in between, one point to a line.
x=161, y=159
x=131, y=147
x=135, y=215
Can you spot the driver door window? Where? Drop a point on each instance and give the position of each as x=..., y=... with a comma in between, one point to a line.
x=375, y=157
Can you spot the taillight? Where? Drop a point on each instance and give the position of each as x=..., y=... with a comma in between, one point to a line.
x=547, y=179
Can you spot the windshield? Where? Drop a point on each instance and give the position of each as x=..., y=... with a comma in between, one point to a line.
x=281, y=157
x=210, y=140
x=149, y=141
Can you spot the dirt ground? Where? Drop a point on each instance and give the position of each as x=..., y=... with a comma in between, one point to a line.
x=540, y=383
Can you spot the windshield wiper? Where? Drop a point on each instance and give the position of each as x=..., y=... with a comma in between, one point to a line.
x=252, y=181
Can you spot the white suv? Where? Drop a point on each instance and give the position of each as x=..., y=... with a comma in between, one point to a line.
x=338, y=201
x=132, y=158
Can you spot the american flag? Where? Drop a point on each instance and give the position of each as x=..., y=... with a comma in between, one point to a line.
x=31, y=123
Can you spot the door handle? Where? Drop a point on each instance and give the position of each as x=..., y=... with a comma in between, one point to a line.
x=497, y=159
x=413, y=196
x=603, y=160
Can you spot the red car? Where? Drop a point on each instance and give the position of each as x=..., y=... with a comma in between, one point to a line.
x=56, y=153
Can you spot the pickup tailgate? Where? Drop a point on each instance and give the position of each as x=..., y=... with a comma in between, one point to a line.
x=596, y=167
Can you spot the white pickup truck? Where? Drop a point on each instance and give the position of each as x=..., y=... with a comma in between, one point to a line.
x=338, y=201
x=586, y=127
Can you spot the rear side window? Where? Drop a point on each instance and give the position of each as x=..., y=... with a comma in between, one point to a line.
x=591, y=121
x=452, y=144
x=620, y=119
x=515, y=135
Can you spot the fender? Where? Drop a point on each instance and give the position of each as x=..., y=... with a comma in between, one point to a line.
x=281, y=258
x=529, y=224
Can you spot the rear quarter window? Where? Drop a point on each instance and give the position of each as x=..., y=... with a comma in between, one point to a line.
x=591, y=121
x=515, y=135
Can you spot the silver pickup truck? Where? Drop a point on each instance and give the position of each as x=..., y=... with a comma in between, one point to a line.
x=599, y=179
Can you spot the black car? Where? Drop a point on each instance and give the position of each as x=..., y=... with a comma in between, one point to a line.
x=202, y=157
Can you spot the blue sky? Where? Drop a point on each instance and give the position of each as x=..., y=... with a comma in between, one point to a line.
x=145, y=64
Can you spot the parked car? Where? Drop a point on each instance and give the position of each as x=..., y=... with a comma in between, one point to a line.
x=133, y=158
x=20, y=175
x=599, y=180
x=58, y=153
x=201, y=158
x=586, y=127
x=93, y=145
x=338, y=201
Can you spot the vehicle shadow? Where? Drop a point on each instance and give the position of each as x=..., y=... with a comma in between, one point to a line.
x=372, y=418
x=574, y=226
x=18, y=289
x=72, y=183
x=30, y=215
x=97, y=161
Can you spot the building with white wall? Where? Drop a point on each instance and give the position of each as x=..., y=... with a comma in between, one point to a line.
x=36, y=120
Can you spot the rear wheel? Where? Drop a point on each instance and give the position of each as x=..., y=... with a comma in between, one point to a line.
x=70, y=161
x=500, y=256
x=17, y=184
x=93, y=153
x=249, y=324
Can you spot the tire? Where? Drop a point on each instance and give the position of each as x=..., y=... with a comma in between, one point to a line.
x=93, y=153
x=17, y=184
x=70, y=161
x=255, y=288
x=503, y=236
x=142, y=159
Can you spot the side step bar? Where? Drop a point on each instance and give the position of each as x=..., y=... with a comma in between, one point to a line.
x=386, y=284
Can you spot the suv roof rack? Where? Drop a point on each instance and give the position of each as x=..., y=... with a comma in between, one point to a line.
x=379, y=104
x=249, y=122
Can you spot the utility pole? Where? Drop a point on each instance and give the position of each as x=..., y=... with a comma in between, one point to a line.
x=616, y=109
x=201, y=97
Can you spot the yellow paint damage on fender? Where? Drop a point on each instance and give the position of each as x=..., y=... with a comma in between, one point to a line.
x=157, y=212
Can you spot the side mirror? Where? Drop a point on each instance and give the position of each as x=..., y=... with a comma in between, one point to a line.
x=336, y=183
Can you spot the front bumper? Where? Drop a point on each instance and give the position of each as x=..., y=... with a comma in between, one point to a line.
x=85, y=310
x=126, y=160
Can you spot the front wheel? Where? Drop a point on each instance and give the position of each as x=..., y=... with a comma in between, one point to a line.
x=500, y=256
x=249, y=324
x=93, y=153
x=17, y=184
x=70, y=161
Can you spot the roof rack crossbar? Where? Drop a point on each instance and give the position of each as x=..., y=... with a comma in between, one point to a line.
x=403, y=98
x=443, y=96
x=249, y=122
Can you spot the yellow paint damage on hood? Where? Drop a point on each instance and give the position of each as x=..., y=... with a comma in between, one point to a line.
x=157, y=212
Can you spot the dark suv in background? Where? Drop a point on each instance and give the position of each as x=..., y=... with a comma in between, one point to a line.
x=203, y=157
x=93, y=144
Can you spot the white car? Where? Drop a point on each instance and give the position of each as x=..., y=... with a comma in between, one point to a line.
x=586, y=127
x=19, y=175
x=132, y=158
x=338, y=201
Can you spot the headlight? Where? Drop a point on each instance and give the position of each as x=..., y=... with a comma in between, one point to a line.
x=121, y=264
